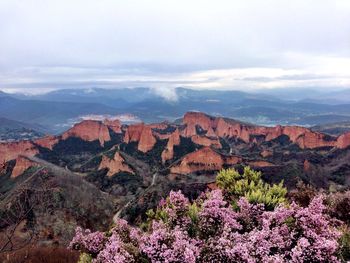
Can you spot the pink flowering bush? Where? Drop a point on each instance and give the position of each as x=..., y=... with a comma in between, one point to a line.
x=87, y=241
x=211, y=230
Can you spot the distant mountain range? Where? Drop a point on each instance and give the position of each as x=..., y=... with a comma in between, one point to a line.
x=60, y=109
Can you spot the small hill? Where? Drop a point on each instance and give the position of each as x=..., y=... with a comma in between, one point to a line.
x=335, y=128
x=46, y=203
x=15, y=130
x=8, y=124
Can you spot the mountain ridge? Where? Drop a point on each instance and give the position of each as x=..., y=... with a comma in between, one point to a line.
x=200, y=128
x=62, y=108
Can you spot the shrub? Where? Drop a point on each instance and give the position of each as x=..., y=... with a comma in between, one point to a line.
x=251, y=186
x=303, y=194
x=344, y=244
x=85, y=258
x=210, y=230
x=339, y=206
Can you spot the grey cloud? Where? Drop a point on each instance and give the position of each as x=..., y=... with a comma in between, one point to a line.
x=169, y=43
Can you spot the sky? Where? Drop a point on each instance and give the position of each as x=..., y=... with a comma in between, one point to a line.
x=218, y=44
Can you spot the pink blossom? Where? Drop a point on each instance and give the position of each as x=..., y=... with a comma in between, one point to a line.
x=218, y=233
x=114, y=252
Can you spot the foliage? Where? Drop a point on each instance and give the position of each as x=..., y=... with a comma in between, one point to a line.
x=85, y=258
x=303, y=194
x=250, y=185
x=210, y=230
x=344, y=243
x=339, y=206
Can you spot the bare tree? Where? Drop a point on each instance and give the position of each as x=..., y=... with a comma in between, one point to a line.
x=17, y=209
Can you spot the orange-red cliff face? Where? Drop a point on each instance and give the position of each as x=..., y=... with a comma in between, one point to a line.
x=159, y=126
x=221, y=127
x=133, y=133
x=47, y=142
x=147, y=140
x=142, y=134
x=306, y=166
x=205, y=159
x=10, y=151
x=89, y=130
x=192, y=119
x=266, y=153
x=260, y=164
x=22, y=164
x=115, y=165
x=168, y=152
x=114, y=125
x=343, y=140
x=206, y=141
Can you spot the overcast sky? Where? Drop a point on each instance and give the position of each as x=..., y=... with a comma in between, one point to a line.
x=242, y=44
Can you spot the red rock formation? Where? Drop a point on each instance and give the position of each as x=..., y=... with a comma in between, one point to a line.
x=312, y=139
x=266, y=153
x=47, y=142
x=293, y=132
x=115, y=165
x=307, y=166
x=133, y=133
x=22, y=164
x=189, y=131
x=212, y=186
x=231, y=160
x=162, y=136
x=10, y=151
x=343, y=141
x=89, y=130
x=260, y=164
x=168, y=152
x=114, y=125
x=233, y=129
x=211, y=133
x=304, y=137
x=142, y=134
x=221, y=127
x=147, y=140
x=159, y=126
x=273, y=132
x=191, y=119
x=205, y=141
x=205, y=159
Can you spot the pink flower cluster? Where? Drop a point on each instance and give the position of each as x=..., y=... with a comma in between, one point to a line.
x=114, y=252
x=176, y=208
x=219, y=233
x=169, y=245
x=91, y=242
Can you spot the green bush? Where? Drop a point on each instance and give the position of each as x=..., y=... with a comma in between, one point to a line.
x=250, y=185
x=85, y=258
x=344, y=245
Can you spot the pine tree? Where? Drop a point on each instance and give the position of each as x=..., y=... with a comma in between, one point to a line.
x=250, y=185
